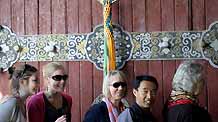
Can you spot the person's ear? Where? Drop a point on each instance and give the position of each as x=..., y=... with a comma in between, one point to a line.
x=24, y=82
x=21, y=81
x=134, y=91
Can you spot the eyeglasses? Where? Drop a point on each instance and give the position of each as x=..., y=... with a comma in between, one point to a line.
x=118, y=84
x=60, y=77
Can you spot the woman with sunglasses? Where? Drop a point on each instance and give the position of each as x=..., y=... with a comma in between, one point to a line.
x=114, y=90
x=51, y=105
x=23, y=83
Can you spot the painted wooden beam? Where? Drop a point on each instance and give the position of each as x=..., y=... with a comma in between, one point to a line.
x=129, y=46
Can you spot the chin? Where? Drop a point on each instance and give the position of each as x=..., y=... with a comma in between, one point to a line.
x=146, y=106
x=120, y=97
x=117, y=98
x=32, y=93
x=58, y=89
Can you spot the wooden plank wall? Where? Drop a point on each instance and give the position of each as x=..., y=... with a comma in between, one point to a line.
x=81, y=16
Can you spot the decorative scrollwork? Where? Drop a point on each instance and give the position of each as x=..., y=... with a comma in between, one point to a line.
x=29, y=51
x=210, y=44
x=188, y=39
x=76, y=47
x=142, y=47
x=129, y=46
x=9, y=48
x=95, y=46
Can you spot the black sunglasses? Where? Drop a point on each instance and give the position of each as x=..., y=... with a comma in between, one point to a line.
x=118, y=84
x=60, y=77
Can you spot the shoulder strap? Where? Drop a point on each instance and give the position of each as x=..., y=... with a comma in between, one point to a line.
x=132, y=114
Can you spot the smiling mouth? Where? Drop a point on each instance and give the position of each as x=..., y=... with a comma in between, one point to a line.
x=59, y=86
x=120, y=94
x=35, y=89
x=148, y=102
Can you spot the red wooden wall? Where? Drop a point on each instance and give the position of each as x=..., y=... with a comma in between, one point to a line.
x=80, y=16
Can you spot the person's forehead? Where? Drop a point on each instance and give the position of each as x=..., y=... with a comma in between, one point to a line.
x=115, y=78
x=147, y=84
x=58, y=71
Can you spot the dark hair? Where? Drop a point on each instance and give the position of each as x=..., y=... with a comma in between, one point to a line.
x=20, y=73
x=139, y=79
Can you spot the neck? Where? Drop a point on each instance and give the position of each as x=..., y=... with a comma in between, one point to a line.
x=184, y=96
x=115, y=102
x=51, y=94
x=23, y=95
x=142, y=107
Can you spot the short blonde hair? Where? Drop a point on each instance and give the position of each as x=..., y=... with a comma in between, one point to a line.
x=50, y=68
x=106, y=82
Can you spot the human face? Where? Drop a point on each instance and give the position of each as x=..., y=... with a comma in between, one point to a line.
x=55, y=85
x=33, y=84
x=145, y=94
x=29, y=85
x=117, y=87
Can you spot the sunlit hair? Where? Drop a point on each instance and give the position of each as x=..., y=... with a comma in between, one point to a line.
x=50, y=68
x=22, y=72
x=106, y=82
x=188, y=76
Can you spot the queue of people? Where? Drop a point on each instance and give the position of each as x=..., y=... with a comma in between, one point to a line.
x=26, y=104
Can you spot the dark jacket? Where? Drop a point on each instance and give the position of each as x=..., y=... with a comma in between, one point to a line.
x=136, y=114
x=97, y=113
x=186, y=113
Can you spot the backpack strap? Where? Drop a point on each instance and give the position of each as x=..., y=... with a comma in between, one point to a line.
x=132, y=114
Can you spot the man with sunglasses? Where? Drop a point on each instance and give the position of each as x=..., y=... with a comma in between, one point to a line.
x=144, y=89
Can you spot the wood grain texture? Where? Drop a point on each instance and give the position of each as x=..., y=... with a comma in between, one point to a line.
x=140, y=24
x=86, y=68
x=97, y=18
x=81, y=16
x=72, y=16
x=182, y=17
x=169, y=67
x=74, y=90
x=155, y=67
x=5, y=12
x=44, y=27
x=211, y=15
x=5, y=19
x=125, y=19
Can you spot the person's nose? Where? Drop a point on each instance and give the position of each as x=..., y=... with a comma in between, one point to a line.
x=149, y=95
x=120, y=87
x=62, y=81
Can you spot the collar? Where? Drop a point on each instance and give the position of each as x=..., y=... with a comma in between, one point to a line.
x=137, y=109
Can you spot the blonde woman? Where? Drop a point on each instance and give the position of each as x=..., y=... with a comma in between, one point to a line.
x=51, y=105
x=114, y=90
x=23, y=83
